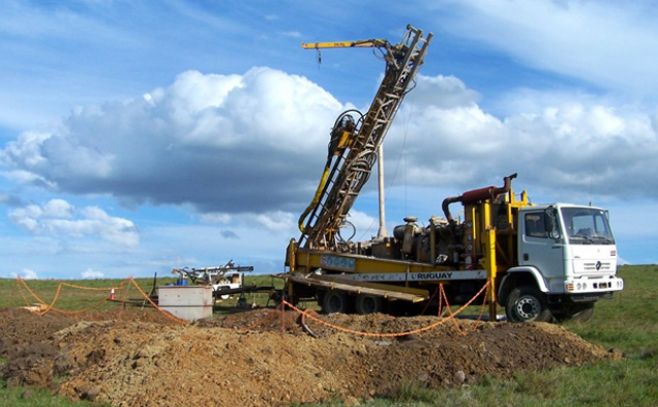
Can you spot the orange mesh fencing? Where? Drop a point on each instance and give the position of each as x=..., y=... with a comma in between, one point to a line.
x=122, y=287
x=422, y=329
x=444, y=310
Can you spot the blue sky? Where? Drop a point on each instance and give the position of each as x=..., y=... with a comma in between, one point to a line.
x=141, y=136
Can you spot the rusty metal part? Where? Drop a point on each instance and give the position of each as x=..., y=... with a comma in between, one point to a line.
x=476, y=195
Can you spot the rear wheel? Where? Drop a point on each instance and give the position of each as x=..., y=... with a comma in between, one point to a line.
x=526, y=304
x=334, y=301
x=368, y=304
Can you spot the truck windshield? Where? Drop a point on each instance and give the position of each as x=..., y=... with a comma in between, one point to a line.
x=587, y=226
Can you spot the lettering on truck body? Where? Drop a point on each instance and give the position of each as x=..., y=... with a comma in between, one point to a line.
x=420, y=276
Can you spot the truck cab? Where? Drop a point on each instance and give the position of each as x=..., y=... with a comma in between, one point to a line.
x=567, y=260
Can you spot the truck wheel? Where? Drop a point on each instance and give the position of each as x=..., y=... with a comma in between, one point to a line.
x=367, y=304
x=526, y=304
x=334, y=301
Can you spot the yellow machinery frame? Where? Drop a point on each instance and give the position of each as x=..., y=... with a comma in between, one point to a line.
x=483, y=238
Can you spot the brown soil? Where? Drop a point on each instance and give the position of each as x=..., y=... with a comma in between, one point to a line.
x=245, y=358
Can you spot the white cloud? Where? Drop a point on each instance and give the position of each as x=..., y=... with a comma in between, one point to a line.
x=59, y=218
x=27, y=147
x=91, y=273
x=362, y=221
x=224, y=143
x=57, y=208
x=254, y=144
x=215, y=217
x=365, y=225
x=609, y=44
x=277, y=221
x=563, y=142
x=26, y=177
x=26, y=274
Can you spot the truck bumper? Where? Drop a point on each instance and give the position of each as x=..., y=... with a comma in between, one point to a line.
x=584, y=286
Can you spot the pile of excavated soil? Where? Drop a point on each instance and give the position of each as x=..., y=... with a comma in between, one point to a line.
x=28, y=343
x=246, y=359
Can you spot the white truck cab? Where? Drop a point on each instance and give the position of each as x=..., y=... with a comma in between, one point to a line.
x=569, y=253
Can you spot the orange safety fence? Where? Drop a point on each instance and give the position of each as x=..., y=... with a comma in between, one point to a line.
x=448, y=310
x=80, y=287
x=165, y=313
x=123, y=287
x=55, y=298
x=51, y=307
x=425, y=328
x=96, y=305
x=29, y=290
x=482, y=308
x=478, y=320
x=20, y=291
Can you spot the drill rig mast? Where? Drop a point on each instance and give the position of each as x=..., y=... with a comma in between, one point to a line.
x=355, y=138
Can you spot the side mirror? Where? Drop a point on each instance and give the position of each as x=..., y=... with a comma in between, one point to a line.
x=550, y=223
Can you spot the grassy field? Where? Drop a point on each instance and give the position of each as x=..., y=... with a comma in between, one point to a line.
x=12, y=294
x=628, y=323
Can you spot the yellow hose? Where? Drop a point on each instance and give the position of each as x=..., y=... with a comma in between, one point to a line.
x=316, y=198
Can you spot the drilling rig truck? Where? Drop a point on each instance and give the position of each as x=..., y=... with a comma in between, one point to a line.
x=541, y=262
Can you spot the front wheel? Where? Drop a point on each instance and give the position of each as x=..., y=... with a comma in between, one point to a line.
x=526, y=304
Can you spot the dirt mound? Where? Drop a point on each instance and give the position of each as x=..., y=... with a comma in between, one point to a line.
x=260, y=320
x=29, y=344
x=245, y=359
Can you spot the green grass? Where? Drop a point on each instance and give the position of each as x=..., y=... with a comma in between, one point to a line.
x=34, y=397
x=630, y=320
x=628, y=323
x=620, y=383
x=13, y=295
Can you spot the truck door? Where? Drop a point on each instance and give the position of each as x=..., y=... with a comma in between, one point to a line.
x=538, y=249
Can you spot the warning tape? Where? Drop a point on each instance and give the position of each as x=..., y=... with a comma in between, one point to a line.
x=51, y=307
x=55, y=298
x=20, y=291
x=81, y=287
x=388, y=334
x=123, y=286
x=29, y=290
x=462, y=330
x=165, y=313
x=448, y=310
x=482, y=308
